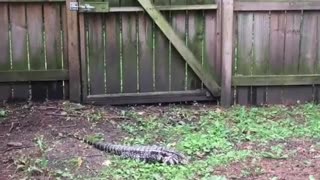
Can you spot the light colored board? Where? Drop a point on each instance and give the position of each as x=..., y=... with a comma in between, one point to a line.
x=129, y=53
x=36, y=49
x=227, y=52
x=19, y=48
x=95, y=54
x=145, y=53
x=244, y=54
x=261, y=53
x=308, y=51
x=53, y=44
x=277, y=39
x=5, y=90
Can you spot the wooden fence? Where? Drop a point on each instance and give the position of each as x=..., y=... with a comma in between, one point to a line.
x=263, y=52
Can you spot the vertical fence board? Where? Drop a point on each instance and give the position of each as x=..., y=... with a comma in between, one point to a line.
x=308, y=52
x=52, y=24
x=317, y=71
x=195, y=44
x=145, y=53
x=162, y=73
x=113, y=53
x=129, y=53
x=260, y=53
x=177, y=62
x=65, y=48
x=19, y=47
x=96, y=55
x=210, y=59
x=5, y=90
x=244, y=54
x=277, y=37
x=36, y=48
x=292, y=94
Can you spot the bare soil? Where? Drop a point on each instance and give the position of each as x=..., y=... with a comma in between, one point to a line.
x=25, y=122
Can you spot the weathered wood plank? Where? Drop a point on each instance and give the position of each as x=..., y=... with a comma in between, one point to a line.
x=276, y=80
x=261, y=53
x=5, y=90
x=53, y=44
x=276, y=6
x=308, y=51
x=95, y=54
x=195, y=43
x=31, y=1
x=178, y=65
x=72, y=47
x=166, y=8
x=36, y=49
x=65, y=49
x=129, y=53
x=19, y=48
x=113, y=78
x=33, y=75
x=162, y=58
x=227, y=52
x=317, y=69
x=291, y=95
x=205, y=76
x=145, y=53
x=244, y=55
x=145, y=98
x=277, y=39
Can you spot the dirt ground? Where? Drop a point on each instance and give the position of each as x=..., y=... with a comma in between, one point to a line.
x=24, y=123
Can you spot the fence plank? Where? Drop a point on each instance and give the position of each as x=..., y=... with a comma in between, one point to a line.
x=113, y=78
x=95, y=54
x=277, y=38
x=64, y=12
x=308, y=52
x=178, y=73
x=244, y=56
x=195, y=43
x=145, y=53
x=292, y=50
x=52, y=25
x=129, y=53
x=19, y=47
x=72, y=47
x=261, y=53
x=5, y=90
x=162, y=58
x=36, y=48
x=317, y=87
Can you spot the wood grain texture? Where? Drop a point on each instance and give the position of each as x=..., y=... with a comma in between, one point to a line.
x=276, y=63
x=95, y=54
x=308, y=52
x=129, y=52
x=36, y=49
x=19, y=48
x=244, y=55
x=261, y=53
x=291, y=95
x=145, y=53
x=53, y=45
x=5, y=89
x=73, y=55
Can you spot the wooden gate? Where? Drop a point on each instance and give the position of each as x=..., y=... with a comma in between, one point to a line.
x=132, y=53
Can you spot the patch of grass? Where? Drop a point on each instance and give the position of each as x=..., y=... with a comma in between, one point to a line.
x=211, y=139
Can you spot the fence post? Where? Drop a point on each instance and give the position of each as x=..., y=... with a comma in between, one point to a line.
x=73, y=54
x=227, y=52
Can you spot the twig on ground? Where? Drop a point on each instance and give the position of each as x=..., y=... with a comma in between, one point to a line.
x=16, y=148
